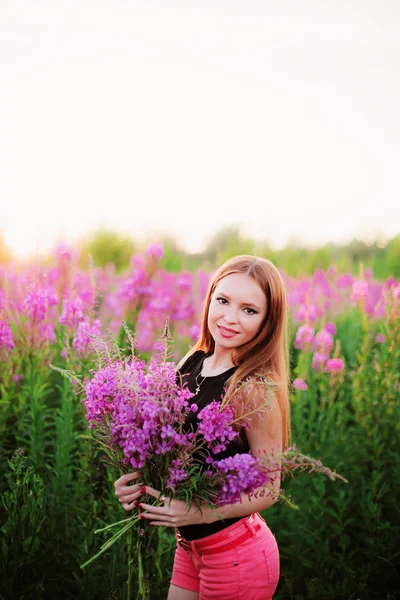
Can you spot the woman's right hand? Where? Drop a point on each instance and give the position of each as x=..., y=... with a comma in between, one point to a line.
x=128, y=495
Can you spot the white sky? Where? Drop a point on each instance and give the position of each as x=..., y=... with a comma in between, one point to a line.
x=282, y=117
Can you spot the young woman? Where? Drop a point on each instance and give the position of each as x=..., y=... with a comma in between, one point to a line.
x=230, y=553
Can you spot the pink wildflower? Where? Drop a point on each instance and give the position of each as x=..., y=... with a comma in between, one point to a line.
x=241, y=473
x=214, y=424
x=330, y=327
x=184, y=282
x=62, y=251
x=306, y=312
x=318, y=361
x=380, y=338
x=359, y=291
x=176, y=474
x=334, y=365
x=82, y=340
x=194, y=332
x=344, y=281
x=46, y=332
x=72, y=312
x=131, y=288
x=324, y=341
x=36, y=302
x=155, y=250
x=300, y=384
x=304, y=337
x=6, y=340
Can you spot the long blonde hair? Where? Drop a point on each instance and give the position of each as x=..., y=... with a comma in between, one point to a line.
x=267, y=354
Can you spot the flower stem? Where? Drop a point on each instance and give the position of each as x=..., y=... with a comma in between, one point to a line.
x=130, y=569
x=111, y=541
x=114, y=524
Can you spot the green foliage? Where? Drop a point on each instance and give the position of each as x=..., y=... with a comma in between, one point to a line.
x=343, y=543
x=393, y=256
x=22, y=513
x=106, y=246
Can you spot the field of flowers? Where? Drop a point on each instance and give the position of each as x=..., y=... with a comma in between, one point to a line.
x=56, y=490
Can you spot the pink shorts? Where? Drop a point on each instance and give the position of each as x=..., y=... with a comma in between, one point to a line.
x=240, y=562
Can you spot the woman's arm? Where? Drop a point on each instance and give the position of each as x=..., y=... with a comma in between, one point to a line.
x=264, y=437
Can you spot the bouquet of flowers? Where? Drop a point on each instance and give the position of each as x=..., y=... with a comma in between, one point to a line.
x=137, y=412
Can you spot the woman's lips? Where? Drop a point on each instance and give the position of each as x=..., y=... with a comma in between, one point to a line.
x=227, y=333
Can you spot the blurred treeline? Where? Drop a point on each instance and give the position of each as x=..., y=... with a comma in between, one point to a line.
x=107, y=246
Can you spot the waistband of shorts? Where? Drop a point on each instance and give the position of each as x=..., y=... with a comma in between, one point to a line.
x=225, y=539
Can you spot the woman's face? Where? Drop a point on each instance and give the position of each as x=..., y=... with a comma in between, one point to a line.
x=237, y=309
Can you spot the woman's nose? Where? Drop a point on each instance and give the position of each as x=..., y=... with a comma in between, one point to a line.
x=231, y=315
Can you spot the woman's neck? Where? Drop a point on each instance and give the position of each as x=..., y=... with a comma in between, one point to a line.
x=217, y=363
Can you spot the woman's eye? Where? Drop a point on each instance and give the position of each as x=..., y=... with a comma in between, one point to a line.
x=251, y=311
x=221, y=300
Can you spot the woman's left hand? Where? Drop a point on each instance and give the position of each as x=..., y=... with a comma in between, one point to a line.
x=172, y=512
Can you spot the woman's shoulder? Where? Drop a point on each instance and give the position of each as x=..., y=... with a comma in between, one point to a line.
x=188, y=362
x=260, y=386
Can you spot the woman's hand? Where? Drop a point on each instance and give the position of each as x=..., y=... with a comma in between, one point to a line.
x=172, y=512
x=128, y=495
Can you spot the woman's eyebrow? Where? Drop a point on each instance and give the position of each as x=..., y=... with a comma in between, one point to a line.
x=250, y=304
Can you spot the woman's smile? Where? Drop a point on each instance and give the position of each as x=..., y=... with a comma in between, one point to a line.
x=225, y=332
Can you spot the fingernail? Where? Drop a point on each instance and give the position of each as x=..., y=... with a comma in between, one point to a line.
x=141, y=516
x=135, y=503
x=140, y=505
x=143, y=489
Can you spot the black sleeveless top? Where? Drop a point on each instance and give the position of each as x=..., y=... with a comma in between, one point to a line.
x=211, y=388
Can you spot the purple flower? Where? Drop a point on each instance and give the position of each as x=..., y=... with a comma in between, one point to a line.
x=304, y=337
x=306, y=312
x=359, y=291
x=62, y=251
x=155, y=250
x=334, y=365
x=36, y=302
x=214, y=426
x=46, y=331
x=380, y=338
x=100, y=392
x=324, y=341
x=6, y=340
x=194, y=332
x=239, y=474
x=300, y=384
x=177, y=474
x=82, y=341
x=318, y=361
x=72, y=312
x=184, y=282
x=330, y=327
